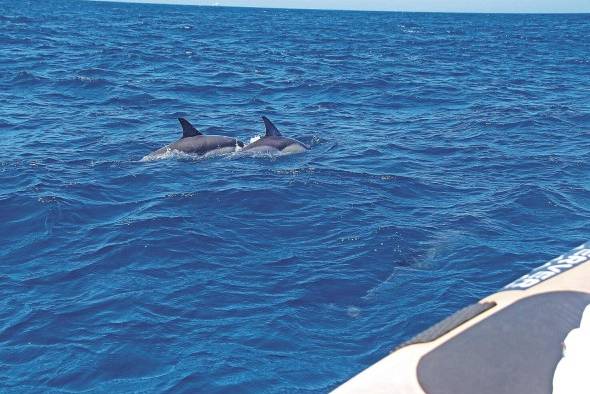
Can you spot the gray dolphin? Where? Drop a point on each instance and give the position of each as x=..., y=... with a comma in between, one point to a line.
x=195, y=142
x=273, y=142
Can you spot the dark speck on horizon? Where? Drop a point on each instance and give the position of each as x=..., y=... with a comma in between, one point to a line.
x=449, y=155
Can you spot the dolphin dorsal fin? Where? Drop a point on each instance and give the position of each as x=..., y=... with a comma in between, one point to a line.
x=271, y=130
x=188, y=130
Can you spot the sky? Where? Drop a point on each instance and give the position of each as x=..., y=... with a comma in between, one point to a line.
x=528, y=6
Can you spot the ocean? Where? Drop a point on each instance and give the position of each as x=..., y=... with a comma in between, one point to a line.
x=449, y=155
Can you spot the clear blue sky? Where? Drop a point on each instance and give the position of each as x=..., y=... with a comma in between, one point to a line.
x=403, y=5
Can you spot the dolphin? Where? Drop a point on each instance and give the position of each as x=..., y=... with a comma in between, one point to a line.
x=274, y=143
x=195, y=142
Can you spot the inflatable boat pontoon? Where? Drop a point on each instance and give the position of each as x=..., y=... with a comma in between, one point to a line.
x=509, y=342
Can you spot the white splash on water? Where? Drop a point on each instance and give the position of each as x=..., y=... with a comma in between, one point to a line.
x=179, y=155
x=254, y=139
x=169, y=154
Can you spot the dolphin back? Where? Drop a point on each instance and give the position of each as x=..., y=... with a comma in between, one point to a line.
x=274, y=142
x=203, y=144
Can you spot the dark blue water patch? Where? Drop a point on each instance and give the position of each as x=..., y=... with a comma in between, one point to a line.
x=449, y=156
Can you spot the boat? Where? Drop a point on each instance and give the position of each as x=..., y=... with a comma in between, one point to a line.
x=509, y=342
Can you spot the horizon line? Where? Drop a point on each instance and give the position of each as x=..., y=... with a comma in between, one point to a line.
x=218, y=5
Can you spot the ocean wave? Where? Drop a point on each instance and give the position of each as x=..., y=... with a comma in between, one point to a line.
x=85, y=82
x=27, y=78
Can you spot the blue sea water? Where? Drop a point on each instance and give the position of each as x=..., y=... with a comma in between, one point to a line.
x=450, y=155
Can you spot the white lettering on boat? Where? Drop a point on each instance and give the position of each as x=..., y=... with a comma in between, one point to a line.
x=579, y=255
